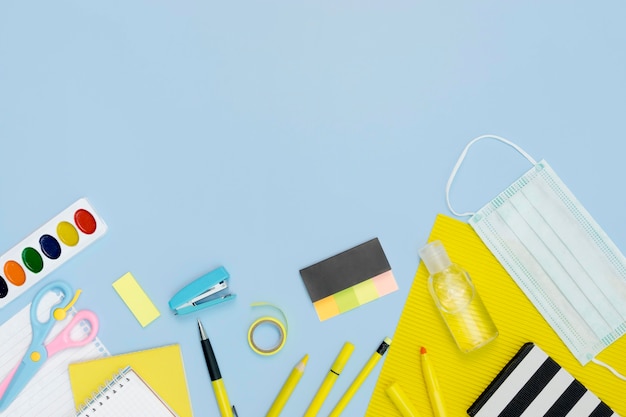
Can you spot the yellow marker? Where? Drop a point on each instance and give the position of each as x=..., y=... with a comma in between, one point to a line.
x=288, y=387
x=330, y=379
x=432, y=385
x=360, y=378
x=401, y=401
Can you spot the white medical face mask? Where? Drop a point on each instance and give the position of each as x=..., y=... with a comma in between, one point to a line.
x=557, y=254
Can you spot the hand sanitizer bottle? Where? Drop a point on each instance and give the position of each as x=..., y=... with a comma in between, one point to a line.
x=457, y=300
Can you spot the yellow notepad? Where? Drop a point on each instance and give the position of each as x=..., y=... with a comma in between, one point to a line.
x=161, y=368
x=463, y=376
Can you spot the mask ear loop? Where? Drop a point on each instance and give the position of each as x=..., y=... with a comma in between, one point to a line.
x=610, y=368
x=462, y=158
x=532, y=161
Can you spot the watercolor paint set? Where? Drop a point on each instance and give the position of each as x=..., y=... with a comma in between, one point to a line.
x=47, y=248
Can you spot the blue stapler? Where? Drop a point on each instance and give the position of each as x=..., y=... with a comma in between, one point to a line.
x=208, y=290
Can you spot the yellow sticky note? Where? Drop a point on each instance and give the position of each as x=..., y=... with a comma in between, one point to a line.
x=136, y=299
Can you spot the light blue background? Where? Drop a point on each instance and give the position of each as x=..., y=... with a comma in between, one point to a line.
x=266, y=136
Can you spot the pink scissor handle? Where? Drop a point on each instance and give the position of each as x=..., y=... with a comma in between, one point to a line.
x=64, y=340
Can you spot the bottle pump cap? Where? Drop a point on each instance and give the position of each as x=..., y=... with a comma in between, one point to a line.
x=435, y=257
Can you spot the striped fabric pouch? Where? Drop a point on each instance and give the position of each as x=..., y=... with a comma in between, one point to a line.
x=532, y=384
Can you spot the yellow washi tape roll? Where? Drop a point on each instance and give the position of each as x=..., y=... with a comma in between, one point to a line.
x=282, y=331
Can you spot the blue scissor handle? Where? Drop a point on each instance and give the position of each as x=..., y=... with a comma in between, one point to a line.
x=36, y=355
x=41, y=329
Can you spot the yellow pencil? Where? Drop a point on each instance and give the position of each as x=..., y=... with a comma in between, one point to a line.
x=288, y=387
x=330, y=379
x=360, y=378
x=432, y=385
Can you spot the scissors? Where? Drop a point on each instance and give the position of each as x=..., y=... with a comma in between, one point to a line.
x=37, y=353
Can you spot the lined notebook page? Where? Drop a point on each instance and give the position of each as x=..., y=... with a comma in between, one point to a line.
x=126, y=395
x=49, y=393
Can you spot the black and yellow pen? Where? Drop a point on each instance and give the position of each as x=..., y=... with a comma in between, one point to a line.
x=216, y=377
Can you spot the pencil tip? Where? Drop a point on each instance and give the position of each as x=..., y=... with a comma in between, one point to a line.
x=302, y=364
x=423, y=350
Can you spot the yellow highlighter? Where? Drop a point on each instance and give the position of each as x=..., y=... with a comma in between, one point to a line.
x=287, y=389
x=329, y=381
x=401, y=401
x=216, y=377
x=360, y=378
x=432, y=385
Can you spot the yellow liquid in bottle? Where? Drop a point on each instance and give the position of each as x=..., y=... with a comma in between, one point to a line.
x=462, y=309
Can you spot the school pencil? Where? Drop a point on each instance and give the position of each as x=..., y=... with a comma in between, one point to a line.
x=288, y=387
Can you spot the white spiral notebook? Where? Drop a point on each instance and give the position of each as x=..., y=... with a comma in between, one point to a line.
x=127, y=394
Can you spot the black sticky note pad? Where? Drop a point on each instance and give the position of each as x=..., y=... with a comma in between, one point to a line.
x=345, y=270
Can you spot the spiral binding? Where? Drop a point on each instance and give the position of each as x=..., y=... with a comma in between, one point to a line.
x=96, y=399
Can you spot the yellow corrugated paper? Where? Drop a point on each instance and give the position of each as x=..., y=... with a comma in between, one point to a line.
x=464, y=376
